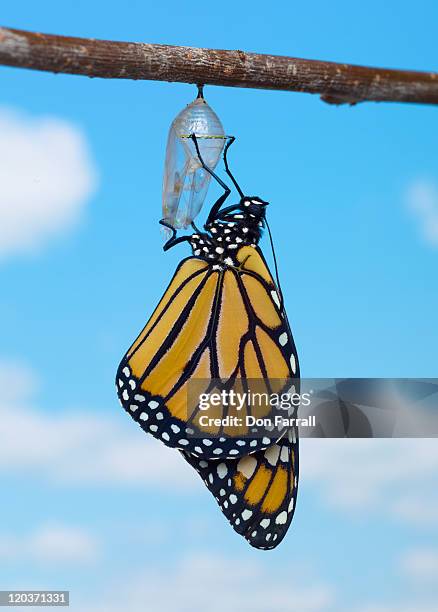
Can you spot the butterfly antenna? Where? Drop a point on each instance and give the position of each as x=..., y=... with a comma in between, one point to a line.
x=227, y=170
x=275, y=264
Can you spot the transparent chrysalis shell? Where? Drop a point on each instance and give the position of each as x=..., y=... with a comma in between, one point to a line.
x=185, y=182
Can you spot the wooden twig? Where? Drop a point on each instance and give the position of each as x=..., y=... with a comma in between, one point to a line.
x=336, y=83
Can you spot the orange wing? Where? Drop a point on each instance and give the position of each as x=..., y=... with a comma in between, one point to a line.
x=218, y=327
x=256, y=493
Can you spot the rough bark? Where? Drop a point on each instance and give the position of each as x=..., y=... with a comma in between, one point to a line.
x=336, y=83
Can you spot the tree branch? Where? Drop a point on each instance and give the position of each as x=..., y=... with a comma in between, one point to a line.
x=336, y=83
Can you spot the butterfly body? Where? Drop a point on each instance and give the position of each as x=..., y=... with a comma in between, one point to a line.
x=229, y=231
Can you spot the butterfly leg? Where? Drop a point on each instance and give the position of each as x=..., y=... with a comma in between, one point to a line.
x=195, y=227
x=227, y=170
x=216, y=206
x=173, y=240
x=239, y=268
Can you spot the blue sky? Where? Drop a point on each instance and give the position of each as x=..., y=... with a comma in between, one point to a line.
x=94, y=506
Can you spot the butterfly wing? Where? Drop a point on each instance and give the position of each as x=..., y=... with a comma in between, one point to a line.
x=212, y=324
x=256, y=493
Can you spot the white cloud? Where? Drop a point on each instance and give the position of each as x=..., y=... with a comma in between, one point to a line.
x=18, y=382
x=46, y=179
x=421, y=564
x=80, y=447
x=402, y=606
x=391, y=477
x=51, y=544
x=225, y=583
x=420, y=512
x=422, y=200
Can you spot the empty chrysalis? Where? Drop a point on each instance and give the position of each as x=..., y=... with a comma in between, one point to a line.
x=185, y=182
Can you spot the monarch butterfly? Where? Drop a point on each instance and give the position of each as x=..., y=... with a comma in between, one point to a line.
x=221, y=321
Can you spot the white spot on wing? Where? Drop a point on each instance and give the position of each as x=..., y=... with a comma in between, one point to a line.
x=283, y=339
x=272, y=454
x=284, y=456
x=293, y=363
x=222, y=470
x=281, y=518
x=275, y=297
x=247, y=466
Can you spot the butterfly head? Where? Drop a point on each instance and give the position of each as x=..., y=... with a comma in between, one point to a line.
x=254, y=206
